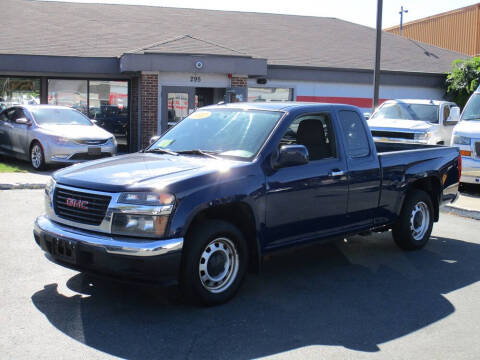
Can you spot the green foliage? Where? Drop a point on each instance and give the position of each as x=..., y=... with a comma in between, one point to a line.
x=463, y=80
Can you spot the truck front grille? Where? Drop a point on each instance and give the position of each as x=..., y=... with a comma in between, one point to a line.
x=79, y=206
x=393, y=134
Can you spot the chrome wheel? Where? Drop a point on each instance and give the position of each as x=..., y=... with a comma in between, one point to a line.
x=218, y=266
x=419, y=220
x=37, y=156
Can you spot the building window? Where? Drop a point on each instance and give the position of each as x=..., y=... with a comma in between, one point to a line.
x=104, y=101
x=108, y=105
x=71, y=93
x=19, y=91
x=269, y=94
x=177, y=107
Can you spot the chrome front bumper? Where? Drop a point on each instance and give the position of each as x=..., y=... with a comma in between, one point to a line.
x=109, y=244
x=65, y=153
x=470, y=170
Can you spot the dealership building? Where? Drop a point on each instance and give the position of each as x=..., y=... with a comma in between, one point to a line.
x=138, y=70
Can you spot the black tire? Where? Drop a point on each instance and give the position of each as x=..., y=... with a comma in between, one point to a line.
x=197, y=273
x=37, y=156
x=414, y=225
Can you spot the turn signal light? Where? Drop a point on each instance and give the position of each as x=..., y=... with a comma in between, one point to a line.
x=465, y=153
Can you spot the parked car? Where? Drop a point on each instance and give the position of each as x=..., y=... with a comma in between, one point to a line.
x=414, y=121
x=46, y=134
x=231, y=183
x=466, y=135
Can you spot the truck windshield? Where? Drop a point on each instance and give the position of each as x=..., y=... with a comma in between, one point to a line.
x=472, y=109
x=58, y=116
x=226, y=132
x=406, y=111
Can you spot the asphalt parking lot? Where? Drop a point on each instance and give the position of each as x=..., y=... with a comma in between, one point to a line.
x=359, y=299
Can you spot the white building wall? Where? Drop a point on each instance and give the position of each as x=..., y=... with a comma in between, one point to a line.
x=351, y=91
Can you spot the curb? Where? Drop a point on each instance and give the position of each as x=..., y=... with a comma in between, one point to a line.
x=472, y=214
x=22, y=186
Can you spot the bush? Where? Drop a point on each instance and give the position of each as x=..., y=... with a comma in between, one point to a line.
x=463, y=80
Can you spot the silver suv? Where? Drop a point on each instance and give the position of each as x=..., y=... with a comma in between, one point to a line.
x=46, y=134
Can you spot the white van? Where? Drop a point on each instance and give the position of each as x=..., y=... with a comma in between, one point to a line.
x=466, y=136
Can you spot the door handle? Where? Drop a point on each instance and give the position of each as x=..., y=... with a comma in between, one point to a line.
x=336, y=172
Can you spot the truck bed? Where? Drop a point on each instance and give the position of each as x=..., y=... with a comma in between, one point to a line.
x=401, y=164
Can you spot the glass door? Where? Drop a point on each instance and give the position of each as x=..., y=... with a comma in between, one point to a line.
x=177, y=103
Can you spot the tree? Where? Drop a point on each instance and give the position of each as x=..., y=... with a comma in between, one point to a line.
x=463, y=80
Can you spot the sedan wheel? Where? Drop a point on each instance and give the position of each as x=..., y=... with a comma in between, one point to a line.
x=37, y=157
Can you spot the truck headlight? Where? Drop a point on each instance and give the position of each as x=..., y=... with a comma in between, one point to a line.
x=147, y=198
x=461, y=140
x=422, y=136
x=49, y=187
x=139, y=225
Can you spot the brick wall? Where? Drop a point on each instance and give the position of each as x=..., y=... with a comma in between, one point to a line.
x=149, y=106
x=239, y=81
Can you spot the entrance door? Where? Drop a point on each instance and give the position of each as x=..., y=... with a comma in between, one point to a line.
x=177, y=103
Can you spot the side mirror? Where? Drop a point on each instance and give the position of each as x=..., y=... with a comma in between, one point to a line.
x=290, y=155
x=23, y=121
x=154, y=139
x=454, y=116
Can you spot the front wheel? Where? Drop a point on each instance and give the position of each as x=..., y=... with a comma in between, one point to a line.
x=414, y=225
x=37, y=156
x=214, y=262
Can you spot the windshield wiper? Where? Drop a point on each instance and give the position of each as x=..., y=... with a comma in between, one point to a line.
x=199, y=152
x=162, y=151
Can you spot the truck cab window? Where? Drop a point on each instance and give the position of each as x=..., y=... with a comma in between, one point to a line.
x=315, y=133
x=356, y=141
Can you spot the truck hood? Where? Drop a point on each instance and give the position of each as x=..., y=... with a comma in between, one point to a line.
x=77, y=131
x=400, y=125
x=138, y=171
x=468, y=128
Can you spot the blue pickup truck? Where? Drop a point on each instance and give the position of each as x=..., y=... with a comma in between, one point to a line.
x=231, y=183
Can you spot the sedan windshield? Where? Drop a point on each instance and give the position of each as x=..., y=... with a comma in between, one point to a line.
x=57, y=116
x=226, y=132
x=406, y=111
x=472, y=109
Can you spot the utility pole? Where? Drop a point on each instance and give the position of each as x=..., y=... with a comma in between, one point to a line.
x=401, y=12
x=378, y=47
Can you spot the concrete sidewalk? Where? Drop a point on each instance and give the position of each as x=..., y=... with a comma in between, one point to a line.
x=18, y=180
x=467, y=205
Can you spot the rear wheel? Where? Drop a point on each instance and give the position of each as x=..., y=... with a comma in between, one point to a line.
x=37, y=157
x=214, y=263
x=414, y=225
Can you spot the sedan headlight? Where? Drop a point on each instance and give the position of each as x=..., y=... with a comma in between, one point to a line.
x=112, y=141
x=139, y=225
x=60, y=140
x=461, y=140
x=147, y=198
x=422, y=136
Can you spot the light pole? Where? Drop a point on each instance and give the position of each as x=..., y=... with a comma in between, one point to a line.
x=401, y=12
x=378, y=46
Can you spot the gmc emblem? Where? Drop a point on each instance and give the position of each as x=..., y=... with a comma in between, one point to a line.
x=80, y=204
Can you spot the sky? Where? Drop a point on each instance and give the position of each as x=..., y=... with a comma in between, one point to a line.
x=357, y=11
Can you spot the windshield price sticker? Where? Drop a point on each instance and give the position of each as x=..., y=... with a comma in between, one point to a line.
x=164, y=143
x=200, y=115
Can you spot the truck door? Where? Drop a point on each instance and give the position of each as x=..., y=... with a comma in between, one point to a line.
x=307, y=200
x=363, y=171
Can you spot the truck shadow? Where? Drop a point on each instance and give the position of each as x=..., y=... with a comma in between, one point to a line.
x=357, y=294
